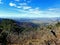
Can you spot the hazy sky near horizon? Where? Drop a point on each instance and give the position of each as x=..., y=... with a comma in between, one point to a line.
x=29, y=8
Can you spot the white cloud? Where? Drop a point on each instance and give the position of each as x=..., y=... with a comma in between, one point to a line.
x=27, y=11
x=22, y=4
x=12, y=4
x=36, y=13
x=19, y=7
x=32, y=13
x=26, y=7
x=50, y=9
x=1, y=2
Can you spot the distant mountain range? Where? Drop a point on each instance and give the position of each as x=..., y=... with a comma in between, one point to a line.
x=45, y=20
x=38, y=20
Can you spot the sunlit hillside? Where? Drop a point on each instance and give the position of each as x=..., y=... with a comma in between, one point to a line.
x=29, y=33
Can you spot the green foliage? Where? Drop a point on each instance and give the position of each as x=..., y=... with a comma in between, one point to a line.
x=6, y=26
x=58, y=24
x=8, y=29
x=3, y=38
x=9, y=26
x=49, y=27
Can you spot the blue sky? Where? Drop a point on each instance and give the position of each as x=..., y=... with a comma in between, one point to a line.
x=29, y=8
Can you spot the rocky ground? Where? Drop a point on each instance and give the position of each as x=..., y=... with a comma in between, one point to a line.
x=27, y=34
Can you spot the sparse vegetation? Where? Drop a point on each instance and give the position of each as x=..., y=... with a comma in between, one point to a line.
x=27, y=33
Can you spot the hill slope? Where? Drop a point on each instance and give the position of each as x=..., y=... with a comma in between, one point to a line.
x=28, y=33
